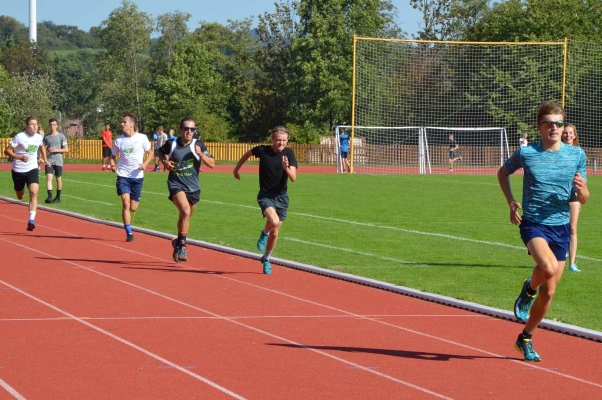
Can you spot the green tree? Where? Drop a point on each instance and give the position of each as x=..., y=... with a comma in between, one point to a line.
x=173, y=28
x=124, y=67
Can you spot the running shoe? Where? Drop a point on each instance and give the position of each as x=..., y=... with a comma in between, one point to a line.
x=262, y=241
x=526, y=347
x=523, y=303
x=267, y=267
x=573, y=268
x=183, y=256
x=56, y=200
x=129, y=237
x=31, y=225
x=176, y=250
x=48, y=200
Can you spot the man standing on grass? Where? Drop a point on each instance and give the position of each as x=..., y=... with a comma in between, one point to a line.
x=551, y=169
x=24, y=151
x=344, y=142
x=56, y=145
x=107, y=143
x=277, y=163
x=130, y=147
x=182, y=158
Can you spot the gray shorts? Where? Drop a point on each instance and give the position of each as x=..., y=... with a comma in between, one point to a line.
x=279, y=203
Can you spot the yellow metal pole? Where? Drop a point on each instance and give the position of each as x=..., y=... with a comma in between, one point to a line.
x=353, y=106
x=566, y=54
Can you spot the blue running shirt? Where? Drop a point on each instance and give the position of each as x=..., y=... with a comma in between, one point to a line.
x=547, y=182
x=344, y=139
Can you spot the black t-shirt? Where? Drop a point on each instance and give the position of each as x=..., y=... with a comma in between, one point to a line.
x=272, y=177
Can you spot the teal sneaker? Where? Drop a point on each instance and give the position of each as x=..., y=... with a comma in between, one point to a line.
x=262, y=241
x=526, y=348
x=573, y=268
x=183, y=256
x=267, y=267
x=176, y=250
x=523, y=303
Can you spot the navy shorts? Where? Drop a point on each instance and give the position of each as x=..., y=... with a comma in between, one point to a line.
x=54, y=169
x=133, y=186
x=279, y=203
x=106, y=152
x=557, y=237
x=452, y=155
x=20, y=179
x=344, y=154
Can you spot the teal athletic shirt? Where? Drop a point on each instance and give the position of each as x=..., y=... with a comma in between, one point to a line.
x=547, y=182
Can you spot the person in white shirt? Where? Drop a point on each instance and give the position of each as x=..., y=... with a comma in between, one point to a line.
x=131, y=148
x=24, y=151
x=523, y=142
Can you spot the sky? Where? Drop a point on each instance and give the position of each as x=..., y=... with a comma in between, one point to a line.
x=86, y=14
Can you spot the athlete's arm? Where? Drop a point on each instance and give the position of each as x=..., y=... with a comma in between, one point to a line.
x=10, y=152
x=149, y=156
x=205, y=156
x=242, y=160
x=581, y=188
x=503, y=178
x=290, y=171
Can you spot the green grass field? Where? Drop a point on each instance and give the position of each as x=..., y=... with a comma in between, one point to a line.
x=445, y=234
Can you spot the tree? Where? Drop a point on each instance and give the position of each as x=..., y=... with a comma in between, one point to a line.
x=124, y=67
x=173, y=28
x=449, y=19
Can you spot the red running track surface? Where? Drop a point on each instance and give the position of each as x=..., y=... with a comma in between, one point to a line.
x=85, y=315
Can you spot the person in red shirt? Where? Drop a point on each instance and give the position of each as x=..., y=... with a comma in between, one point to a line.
x=107, y=143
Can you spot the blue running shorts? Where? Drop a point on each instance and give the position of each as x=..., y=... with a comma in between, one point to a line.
x=133, y=186
x=557, y=237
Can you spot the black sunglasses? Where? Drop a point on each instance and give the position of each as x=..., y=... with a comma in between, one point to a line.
x=559, y=124
x=189, y=128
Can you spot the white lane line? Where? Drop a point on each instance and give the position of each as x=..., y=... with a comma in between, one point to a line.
x=91, y=201
x=11, y=391
x=246, y=317
x=274, y=336
x=369, y=225
x=363, y=253
x=127, y=343
x=521, y=363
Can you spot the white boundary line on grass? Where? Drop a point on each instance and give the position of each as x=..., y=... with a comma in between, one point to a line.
x=366, y=224
x=449, y=301
x=11, y=391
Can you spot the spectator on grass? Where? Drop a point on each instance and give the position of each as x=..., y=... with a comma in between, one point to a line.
x=277, y=164
x=107, y=143
x=159, y=138
x=569, y=136
x=452, y=153
x=131, y=148
x=56, y=145
x=23, y=149
x=183, y=157
x=551, y=171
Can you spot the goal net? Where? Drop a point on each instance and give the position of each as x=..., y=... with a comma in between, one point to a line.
x=482, y=93
x=423, y=150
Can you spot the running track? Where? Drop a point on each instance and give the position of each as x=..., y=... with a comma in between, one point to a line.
x=85, y=315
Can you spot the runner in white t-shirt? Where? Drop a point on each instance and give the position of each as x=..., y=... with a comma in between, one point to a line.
x=24, y=151
x=131, y=148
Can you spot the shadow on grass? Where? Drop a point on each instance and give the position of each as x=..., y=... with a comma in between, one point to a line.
x=418, y=355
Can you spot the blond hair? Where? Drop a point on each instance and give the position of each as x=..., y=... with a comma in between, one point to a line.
x=576, y=140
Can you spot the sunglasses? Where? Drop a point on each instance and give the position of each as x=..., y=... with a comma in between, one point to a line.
x=559, y=124
x=189, y=129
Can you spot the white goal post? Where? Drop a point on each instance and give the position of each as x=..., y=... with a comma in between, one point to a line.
x=424, y=149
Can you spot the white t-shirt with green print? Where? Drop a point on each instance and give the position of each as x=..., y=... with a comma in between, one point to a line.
x=130, y=150
x=26, y=145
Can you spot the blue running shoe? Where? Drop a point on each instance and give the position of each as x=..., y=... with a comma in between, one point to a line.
x=176, y=250
x=267, y=267
x=183, y=256
x=573, y=268
x=262, y=241
x=526, y=347
x=523, y=303
x=31, y=225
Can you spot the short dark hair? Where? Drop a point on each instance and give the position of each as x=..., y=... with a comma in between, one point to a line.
x=186, y=119
x=132, y=117
x=30, y=118
x=547, y=108
x=51, y=120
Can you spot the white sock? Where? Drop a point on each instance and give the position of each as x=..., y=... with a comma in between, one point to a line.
x=265, y=233
x=267, y=255
x=32, y=215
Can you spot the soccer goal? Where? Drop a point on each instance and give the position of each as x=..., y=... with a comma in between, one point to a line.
x=424, y=150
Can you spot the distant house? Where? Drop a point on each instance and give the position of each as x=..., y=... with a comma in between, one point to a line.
x=74, y=128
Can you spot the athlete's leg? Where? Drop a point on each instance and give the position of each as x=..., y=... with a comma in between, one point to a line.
x=272, y=225
x=126, y=205
x=575, y=209
x=33, y=196
x=181, y=202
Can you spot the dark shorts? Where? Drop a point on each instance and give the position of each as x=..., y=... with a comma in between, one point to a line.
x=452, y=155
x=106, y=152
x=133, y=186
x=156, y=152
x=573, y=197
x=20, y=179
x=193, y=197
x=54, y=169
x=344, y=154
x=557, y=237
x=279, y=203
